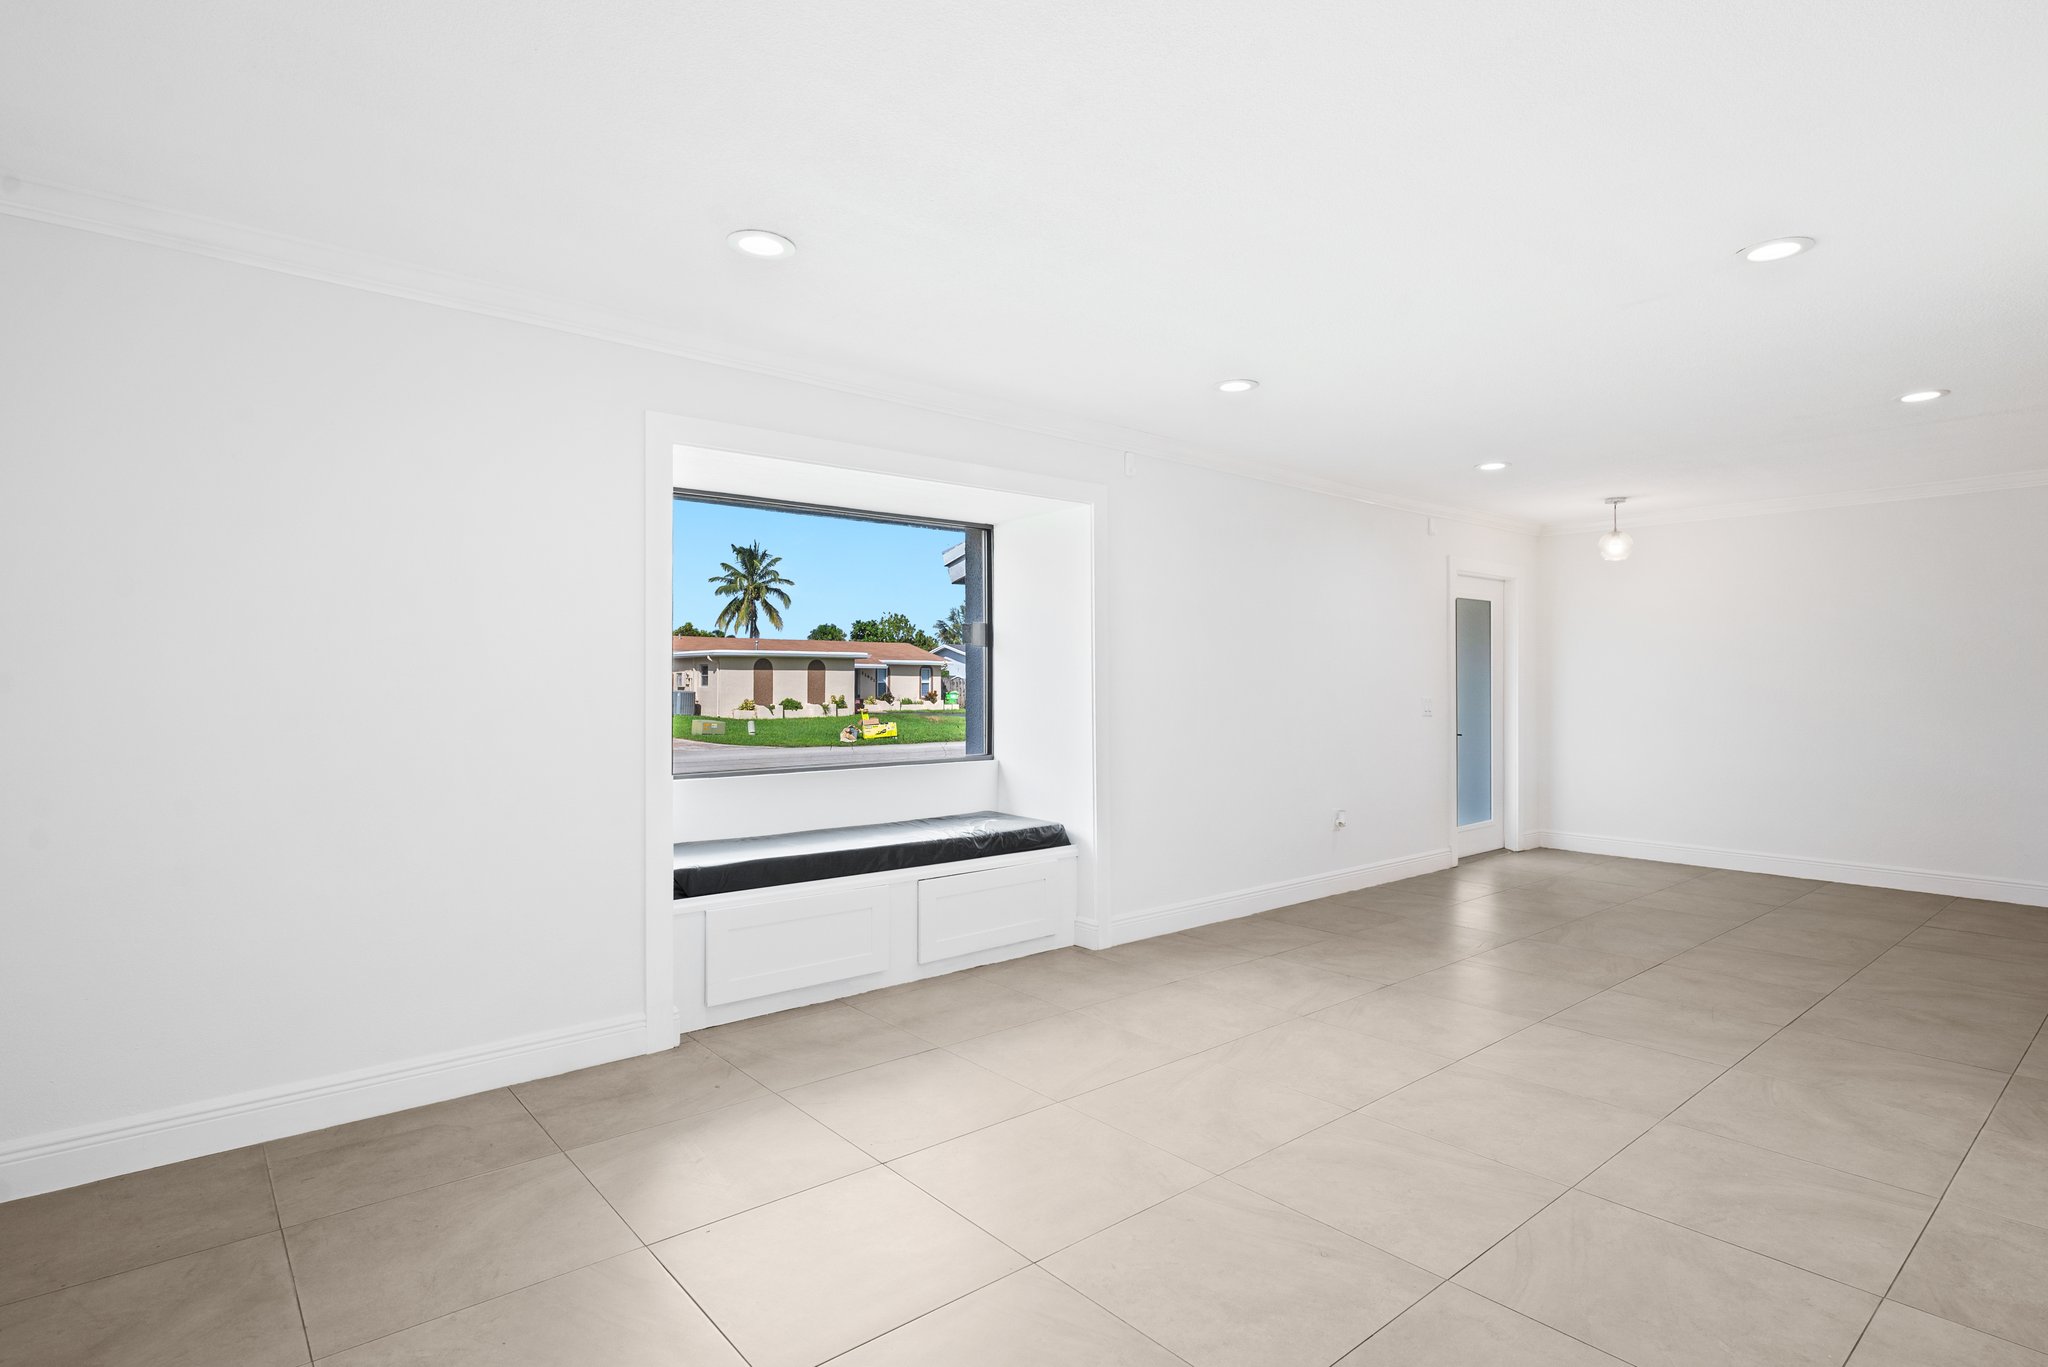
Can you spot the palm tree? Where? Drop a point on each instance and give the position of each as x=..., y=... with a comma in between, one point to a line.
x=751, y=588
x=952, y=628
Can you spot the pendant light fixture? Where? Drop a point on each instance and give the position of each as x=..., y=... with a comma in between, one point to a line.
x=1616, y=544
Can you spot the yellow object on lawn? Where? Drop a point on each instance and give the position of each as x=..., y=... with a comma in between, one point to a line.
x=868, y=728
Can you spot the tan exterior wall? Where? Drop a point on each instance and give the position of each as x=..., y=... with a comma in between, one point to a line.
x=732, y=681
x=903, y=680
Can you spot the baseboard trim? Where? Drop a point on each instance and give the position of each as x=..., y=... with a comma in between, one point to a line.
x=1832, y=870
x=67, y=1158
x=1204, y=911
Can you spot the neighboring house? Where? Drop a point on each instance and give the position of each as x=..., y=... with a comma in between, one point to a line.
x=722, y=671
x=955, y=658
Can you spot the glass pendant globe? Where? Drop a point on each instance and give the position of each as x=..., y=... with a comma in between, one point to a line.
x=1616, y=545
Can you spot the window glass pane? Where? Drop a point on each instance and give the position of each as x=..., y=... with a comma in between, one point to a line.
x=1475, y=710
x=808, y=637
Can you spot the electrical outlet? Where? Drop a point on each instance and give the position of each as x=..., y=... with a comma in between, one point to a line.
x=1429, y=707
x=1342, y=821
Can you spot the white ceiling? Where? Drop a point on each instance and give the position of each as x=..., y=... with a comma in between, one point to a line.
x=1438, y=233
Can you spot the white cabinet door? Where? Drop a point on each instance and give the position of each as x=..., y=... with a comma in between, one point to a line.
x=801, y=941
x=996, y=907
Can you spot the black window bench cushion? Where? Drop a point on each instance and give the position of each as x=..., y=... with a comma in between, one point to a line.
x=706, y=867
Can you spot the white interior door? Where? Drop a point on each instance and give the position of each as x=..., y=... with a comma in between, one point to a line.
x=1478, y=630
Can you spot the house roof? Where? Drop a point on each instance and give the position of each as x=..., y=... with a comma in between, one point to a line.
x=856, y=652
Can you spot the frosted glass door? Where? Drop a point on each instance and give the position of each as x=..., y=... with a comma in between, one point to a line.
x=1478, y=631
x=1475, y=711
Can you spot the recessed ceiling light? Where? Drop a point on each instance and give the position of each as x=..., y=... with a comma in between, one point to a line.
x=1922, y=395
x=760, y=242
x=1494, y=465
x=1238, y=386
x=1777, y=249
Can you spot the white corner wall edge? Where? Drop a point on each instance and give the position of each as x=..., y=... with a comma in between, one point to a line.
x=67, y=1158
x=1828, y=870
x=1204, y=911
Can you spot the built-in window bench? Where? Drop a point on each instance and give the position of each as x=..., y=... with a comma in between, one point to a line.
x=768, y=922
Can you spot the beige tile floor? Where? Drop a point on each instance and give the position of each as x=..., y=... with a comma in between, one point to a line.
x=1539, y=1109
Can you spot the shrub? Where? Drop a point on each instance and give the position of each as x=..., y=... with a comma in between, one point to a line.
x=789, y=705
x=838, y=702
x=746, y=704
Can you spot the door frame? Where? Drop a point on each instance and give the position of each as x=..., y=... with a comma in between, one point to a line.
x=1508, y=670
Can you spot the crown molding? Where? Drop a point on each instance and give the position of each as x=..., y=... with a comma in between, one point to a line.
x=1806, y=503
x=154, y=225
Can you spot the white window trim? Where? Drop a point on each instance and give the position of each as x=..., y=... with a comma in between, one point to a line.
x=936, y=486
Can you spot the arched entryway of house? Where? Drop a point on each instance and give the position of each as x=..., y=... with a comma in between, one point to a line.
x=764, y=684
x=814, y=685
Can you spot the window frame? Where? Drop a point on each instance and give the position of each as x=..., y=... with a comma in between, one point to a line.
x=977, y=663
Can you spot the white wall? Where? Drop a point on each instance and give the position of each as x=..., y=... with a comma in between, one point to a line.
x=1861, y=686
x=1046, y=712
x=755, y=804
x=1213, y=780
x=244, y=897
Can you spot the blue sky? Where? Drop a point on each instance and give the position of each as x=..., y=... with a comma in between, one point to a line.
x=843, y=568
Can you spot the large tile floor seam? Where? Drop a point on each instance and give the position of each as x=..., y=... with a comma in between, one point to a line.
x=2039, y=1032
x=297, y=1304
x=1569, y=1091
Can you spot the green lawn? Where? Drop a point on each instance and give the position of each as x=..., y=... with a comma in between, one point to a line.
x=798, y=730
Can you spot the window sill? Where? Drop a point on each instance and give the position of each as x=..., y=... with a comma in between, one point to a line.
x=770, y=771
